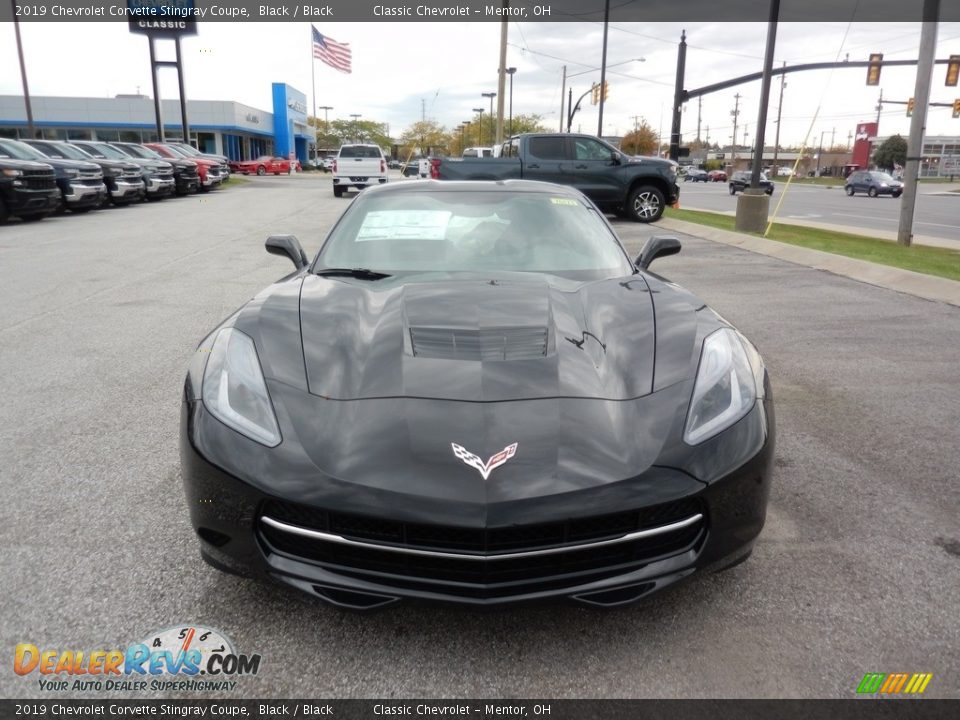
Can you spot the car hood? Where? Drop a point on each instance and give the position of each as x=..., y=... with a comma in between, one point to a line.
x=511, y=336
x=79, y=165
x=24, y=164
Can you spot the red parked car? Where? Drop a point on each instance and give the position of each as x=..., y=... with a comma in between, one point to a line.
x=209, y=171
x=717, y=176
x=263, y=165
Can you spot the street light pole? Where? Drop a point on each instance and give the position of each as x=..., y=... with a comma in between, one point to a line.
x=479, y=112
x=510, y=72
x=490, y=95
x=355, y=129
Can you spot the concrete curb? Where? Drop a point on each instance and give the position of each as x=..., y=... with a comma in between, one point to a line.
x=917, y=284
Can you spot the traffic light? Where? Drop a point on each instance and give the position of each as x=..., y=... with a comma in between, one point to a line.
x=873, y=69
x=953, y=71
x=956, y=108
x=594, y=94
x=605, y=93
x=910, y=104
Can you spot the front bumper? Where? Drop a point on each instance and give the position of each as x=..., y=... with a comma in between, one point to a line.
x=211, y=180
x=158, y=186
x=83, y=196
x=21, y=201
x=686, y=525
x=121, y=189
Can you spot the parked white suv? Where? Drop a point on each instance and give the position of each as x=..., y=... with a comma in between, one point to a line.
x=358, y=166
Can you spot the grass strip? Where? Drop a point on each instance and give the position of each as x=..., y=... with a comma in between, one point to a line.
x=942, y=262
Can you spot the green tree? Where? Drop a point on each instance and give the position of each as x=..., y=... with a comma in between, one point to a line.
x=340, y=131
x=424, y=136
x=642, y=141
x=893, y=151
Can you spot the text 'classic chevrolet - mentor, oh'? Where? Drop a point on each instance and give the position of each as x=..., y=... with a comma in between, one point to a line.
x=472, y=395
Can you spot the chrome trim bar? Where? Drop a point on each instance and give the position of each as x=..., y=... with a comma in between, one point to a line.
x=317, y=535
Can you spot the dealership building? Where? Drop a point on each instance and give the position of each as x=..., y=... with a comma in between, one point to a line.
x=239, y=131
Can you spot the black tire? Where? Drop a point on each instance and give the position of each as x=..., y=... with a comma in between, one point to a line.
x=645, y=204
x=337, y=191
x=80, y=211
x=769, y=191
x=850, y=191
x=872, y=192
x=261, y=170
x=733, y=190
x=897, y=194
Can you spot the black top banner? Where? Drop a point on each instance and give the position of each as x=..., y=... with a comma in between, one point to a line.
x=398, y=709
x=176, y=12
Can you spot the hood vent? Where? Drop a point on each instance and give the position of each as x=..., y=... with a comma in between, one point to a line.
x=506, y=343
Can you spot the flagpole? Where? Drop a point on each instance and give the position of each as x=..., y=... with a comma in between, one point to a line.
x=313, y=88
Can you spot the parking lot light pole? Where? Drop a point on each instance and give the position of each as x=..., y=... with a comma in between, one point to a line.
x=479, y=112
x=355, y=117
x=490, y=95
x=510, y=72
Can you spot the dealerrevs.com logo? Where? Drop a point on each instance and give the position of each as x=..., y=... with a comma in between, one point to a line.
x=184, y=657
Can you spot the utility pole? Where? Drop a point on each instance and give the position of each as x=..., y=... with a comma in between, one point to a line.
x=603, y=67
x=911, y=173
x=563, y=92
x=699, y=115
x=879, y=108
x=776, y=141
x=23, y=73
x=833, y=138
x=849, y=139
x=636, y=122
x=736, y=113
x=502, y=72
x=676, y=116
x=423, y=109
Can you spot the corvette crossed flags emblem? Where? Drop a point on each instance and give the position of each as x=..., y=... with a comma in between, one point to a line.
x=477, y=464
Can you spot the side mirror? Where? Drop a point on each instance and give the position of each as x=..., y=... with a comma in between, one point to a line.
x=615, y=157
x=289, y=246
x=655, y=247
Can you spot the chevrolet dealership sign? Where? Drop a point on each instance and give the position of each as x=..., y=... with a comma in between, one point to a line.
x=162, y=18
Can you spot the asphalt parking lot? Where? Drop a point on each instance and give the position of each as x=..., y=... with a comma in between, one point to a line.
x=858, y=569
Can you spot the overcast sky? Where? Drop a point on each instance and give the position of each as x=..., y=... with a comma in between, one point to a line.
x=448, y=66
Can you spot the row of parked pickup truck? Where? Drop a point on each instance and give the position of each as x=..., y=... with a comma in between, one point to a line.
x=41, y=177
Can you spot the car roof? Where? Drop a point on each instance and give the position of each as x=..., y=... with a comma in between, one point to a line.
x=436, y=186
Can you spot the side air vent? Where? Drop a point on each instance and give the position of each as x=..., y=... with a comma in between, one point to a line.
x=508, y=343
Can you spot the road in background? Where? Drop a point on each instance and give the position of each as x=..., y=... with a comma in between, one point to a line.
x=856, y=571
x=937, y=215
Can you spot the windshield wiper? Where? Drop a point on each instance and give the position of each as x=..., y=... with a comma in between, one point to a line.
x=359, y=273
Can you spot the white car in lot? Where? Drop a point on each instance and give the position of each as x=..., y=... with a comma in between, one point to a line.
x=357, y=166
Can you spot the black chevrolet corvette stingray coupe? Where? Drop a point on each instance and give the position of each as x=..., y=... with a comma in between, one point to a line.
x=472, y=395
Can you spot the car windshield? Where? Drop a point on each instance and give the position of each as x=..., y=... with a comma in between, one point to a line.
x=69, y=152
x=20, y=151
x=882, y=177
x=141, y=152
x=264, y=158
x=186, y=150
x=475, y=231
x=359, y=151
x=102, y=150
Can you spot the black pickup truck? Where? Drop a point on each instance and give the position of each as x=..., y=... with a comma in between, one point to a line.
x=27, y=189
x=637, y=187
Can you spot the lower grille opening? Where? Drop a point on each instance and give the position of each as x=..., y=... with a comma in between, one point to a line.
x=526, y=569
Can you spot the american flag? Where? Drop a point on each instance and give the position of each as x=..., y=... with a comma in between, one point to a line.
x=336, y=55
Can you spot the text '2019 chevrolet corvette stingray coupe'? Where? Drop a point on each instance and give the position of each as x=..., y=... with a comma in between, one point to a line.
x=472, y=395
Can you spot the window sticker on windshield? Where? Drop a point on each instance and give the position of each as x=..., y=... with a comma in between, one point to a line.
x=404, y=224
x=564, y=201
